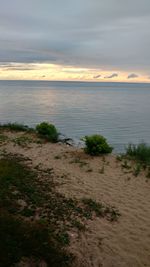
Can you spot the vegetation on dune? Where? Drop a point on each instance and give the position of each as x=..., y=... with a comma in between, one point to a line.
x=24, y=239
x=16, y=127
x=97, y=145
x=21, y=195
x=35, y=220
x=140, y=152
x=47, y=131
x=3, y=138
x=140, y=157
x=24, y=141
x=44, y=130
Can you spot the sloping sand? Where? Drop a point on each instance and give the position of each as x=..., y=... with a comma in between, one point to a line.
x=117, y=244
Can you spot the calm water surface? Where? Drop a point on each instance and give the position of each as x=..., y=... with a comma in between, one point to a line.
x=120, y=112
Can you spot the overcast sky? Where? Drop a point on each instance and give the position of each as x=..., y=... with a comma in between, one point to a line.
x=104, y=35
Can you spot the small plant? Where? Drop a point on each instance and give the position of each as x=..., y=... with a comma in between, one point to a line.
x=137, y=170
x=126, y=165
x=22, y=141
x=100, y=210
x=114, y=214
x=148, y=173
x=47, y=131
x=80, y=226
x=76, y=160
x=89, y=170
x=97, y=145
x=79, y=161
x=102, y=170
x=93, y=206
x=103, y=159
x=57, y=157
x=119, y=157
x=3, y=138
x=140, y=152
x=83, y=163
x=63, y=238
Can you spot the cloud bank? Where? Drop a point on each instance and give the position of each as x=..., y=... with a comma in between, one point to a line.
x=110, y=35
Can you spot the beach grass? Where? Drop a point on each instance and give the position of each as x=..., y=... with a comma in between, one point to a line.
x=140, y=153
x=16, y=127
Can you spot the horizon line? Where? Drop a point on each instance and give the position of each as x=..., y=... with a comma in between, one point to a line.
x=75, y=81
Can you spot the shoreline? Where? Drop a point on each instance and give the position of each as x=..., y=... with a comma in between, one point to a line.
x=75, y=81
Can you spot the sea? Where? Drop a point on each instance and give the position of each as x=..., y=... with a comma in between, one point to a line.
x=118, y=111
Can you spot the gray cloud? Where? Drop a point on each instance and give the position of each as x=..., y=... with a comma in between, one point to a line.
x=108, y=35
x=132, y=76
x=19, y=66
x=111, y=76
x=97, y=76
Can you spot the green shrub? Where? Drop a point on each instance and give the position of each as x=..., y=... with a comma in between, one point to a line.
x=97, y=145
x=140, y=152
x=47, y=131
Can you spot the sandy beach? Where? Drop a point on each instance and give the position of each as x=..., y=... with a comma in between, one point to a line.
x=125, y=242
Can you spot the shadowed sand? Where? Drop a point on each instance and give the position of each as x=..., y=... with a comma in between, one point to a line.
x=120, y=244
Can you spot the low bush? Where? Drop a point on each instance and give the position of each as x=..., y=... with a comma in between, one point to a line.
x=140, y=152
x=97, y=145
x=47, y=131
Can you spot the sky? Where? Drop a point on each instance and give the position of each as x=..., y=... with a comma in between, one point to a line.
x=81, y=40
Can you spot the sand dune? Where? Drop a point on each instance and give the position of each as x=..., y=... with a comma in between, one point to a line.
x=117, y=244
